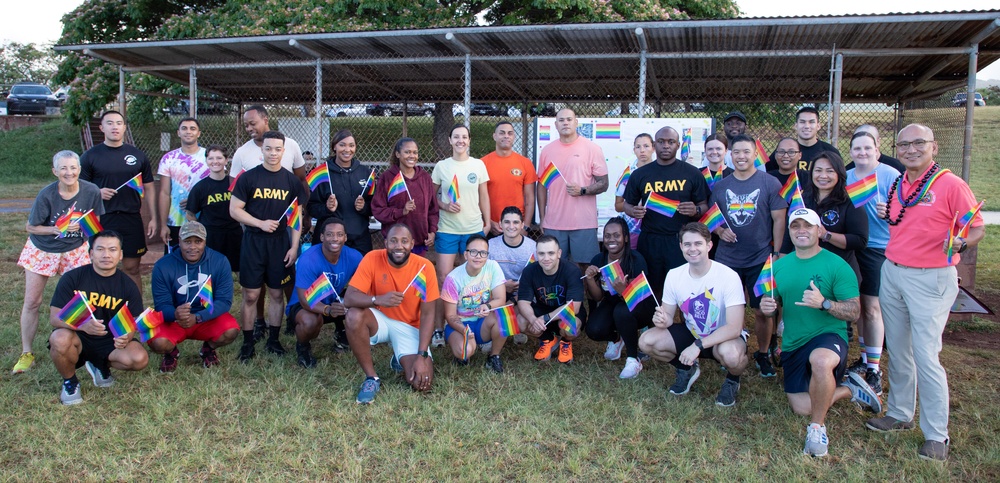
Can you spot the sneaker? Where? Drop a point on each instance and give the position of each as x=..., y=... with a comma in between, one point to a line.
x=70, y=394
x=874, y=379
x=933, y=451
x=437, y=340
x=493, y=363
x=764, y=365
x=246, y=353
x=614, y=350
x=727, y=394
x=460, y=362
x=545, y=349
x=859, y=367
x=862, y=393
x=23, y=363
x=169, y=363
x=565, y=352
x=632, y=368
x=259, y=329
x=340, y=343
x=274, y=347
x=304, y=351
x=395, y=365
x=643, y=357
x=487, y=347
x=816, y=441
x=889, y=424
x=520, y=339
x=100, y=378
x=208, y=356
x=369, y=389
x=685, y=379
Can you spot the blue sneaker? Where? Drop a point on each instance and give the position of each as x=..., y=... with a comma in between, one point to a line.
x=395, y=365
x=862, y=393
x=100, y=378
x=369, y=389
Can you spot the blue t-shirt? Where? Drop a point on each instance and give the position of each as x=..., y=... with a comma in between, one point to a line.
x=312, y=264
x=878, y=229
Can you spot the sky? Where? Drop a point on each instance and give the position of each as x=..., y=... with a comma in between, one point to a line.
x=45, y=15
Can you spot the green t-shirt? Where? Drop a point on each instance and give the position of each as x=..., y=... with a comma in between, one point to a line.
x=835, y=280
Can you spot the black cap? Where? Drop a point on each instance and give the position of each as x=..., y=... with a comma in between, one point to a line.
x=737, y=114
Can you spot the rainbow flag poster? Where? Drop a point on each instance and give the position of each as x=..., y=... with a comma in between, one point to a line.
x=765, y=281
x=293, y=215
x=320, y=289
x=451, y=194
x=608, y=130
x=966, y=220
x=713, y=218
x=90, y=224
x=77, y=311
x=398, y=186
x=507, y=321
x=370, y=184
x=863, y=190
x=544, y=133
x=623, y=179
x=710, y=178
x=686, y=144
x=637, y=291
x=789, y=187
x=549, y=175
x=419, y=283
x=319, y=176
x=661, y=204
x=148, y=324
x=761, y=160
x=567, y=319
x=206, y=295
x=134, y=183
x=233, y=184
x=123, y=322
x=612, y=272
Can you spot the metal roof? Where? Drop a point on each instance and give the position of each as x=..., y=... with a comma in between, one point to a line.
x=787, y=59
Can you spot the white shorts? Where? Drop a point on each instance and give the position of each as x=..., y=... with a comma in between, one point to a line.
x=405, y=338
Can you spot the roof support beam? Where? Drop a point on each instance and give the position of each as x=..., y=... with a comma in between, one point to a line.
x=485, y=65
x=931, y=72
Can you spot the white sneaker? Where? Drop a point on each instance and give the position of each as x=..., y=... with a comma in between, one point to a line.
x=437, y=340
x=99, y=379
x=614, y=351
x=632, y=368
x=520, y=339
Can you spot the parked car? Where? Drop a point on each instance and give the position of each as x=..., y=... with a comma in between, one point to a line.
x=62, y=93
x=31, y=98
x=961, y=98
x=345, y=110
x=396, y=109
x=180, y=108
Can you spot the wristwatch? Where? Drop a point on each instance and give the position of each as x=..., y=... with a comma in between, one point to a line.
x=373, y=300
x=426, y=353
x=826, y=305
x=546, y=318
x=583, y=191
x=964, y=245
x=699, y=345
x=826, y=237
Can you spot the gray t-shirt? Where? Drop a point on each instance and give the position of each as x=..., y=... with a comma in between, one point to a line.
x=49, y=206
x=512, y=260
x=747, y=207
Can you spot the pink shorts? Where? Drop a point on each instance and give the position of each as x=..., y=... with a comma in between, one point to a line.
x=48, y=264
x=207, y=330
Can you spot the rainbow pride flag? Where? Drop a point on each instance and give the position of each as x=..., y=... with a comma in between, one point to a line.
x=233, y=184
x=293, y=214
x=148, y=324
x=90, y=224
x=951, y=237
x=661, y=204
x=419, y=283
x=686, y=144
x=796, y=202
x=863, y=190
x=451, y=194
x=319, y=176
x=507, y=321
x=765, y=281
x=544, y=133
x=206, y=295
x=77, y=311
x=531, y=260
x=761, y=160
x=398, y=185
x=710, y=178
x=637, y=291
x=789, y=187
x=370, y=184
x=713, y=218
x=549, y=175
x=567, y=319
x=63, y=222
x=611, y=273
x=966, y=220
x=123, y=322
x=320, y=289
x=623, y=179
x=608, y=130
x=134, y=183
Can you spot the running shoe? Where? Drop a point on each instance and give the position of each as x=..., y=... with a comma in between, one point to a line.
x=208, y=356
x=933, y=451
x=889, y=424
x=565, y=352
x=305, y=357
x=614, y=350
x=437, y=340
x=274, y=347
x=101, y=377
x=369, y=389
x=23, y=363
x=816, y=441
x=632, y=368
x=764, y=365
x=874, y=379
x=859, y=366
x=259, y=329
x=545, y=349
x=685, y=379
x=70, y=394
x=494, y=364
x=862, y=393
x=727, y=394
x=246, y=353
x=395, y=365
x=169, y=363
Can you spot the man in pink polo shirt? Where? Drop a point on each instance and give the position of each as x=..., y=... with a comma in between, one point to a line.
x=568, y=210
x=919, y=285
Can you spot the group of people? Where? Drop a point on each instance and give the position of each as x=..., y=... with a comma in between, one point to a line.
x=833, y=263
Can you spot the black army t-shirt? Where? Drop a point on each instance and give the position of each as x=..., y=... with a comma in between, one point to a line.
x=109, y=167
x=267, y=195
x=209, y=199
x=107, y=295
x=550, y=292
x=678, y=181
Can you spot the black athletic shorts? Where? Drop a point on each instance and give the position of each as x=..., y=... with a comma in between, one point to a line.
x=683, y=338
x=870, y=261
x=748, y=276
x=262, y=261
x=129, y=227
x=93, y=349
x=795, y=363
x=227, y=242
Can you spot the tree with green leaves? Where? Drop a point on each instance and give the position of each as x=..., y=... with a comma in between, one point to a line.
x=26, y=63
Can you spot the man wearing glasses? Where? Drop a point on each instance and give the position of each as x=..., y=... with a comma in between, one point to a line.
x=919, y=285
x=788, y=155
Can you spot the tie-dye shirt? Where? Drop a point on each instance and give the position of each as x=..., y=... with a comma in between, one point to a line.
x=184, y=171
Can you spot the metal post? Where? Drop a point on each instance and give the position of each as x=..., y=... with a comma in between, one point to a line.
x=642, y=73
x=319, y=109
x=192, y=92
x=468, y=89
x=239, y=126
x=121, y=91
x=406, y=118
x=524, y=128
x=838, y=84
x=896, y=121
x=970, y=105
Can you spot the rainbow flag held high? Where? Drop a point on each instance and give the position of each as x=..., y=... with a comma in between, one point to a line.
x=320, y=289
x=761, y=160
x=686, y=144
x=623, y=179
x=205, y=294
x=612, y=272
x=451, y=194
x=637, y=291
x=863, y=190
x=544, y=133
x=419, y=283
x=370, y=184
x=710, y=178
x=123, y=322
x=765, y=281
x=713, y=218
x=951, y=237
x=134, y=183
x=319, y=176
x=661, y=204
x=796, y=202
x=233, y=184
x=966, y=220
x=398, y=185
x=507, y=321
x=149, y=323
x=90, y=224
x=608, y=130
x=549, y=175
x=293, y=215
x=789, y=187
x=567, y=319
x=77, y=311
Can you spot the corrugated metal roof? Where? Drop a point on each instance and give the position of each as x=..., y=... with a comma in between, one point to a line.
x=887, y=57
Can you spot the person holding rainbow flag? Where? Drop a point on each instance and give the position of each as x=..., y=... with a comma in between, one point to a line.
x=549, y=298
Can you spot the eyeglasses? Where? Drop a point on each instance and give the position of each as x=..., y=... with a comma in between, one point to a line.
x=786, y=153
x=478, y=253
x=918, y=144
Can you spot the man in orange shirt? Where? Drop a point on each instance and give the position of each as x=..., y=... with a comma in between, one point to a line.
x=512, y=179
x=383, y=307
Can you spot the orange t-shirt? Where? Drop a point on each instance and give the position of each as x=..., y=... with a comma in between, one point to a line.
x=376, y=276
x=508, y=175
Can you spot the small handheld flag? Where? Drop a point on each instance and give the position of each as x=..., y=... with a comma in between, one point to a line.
x=863, y=190
x=623, y=179
x=710, y=178
x=419, y=283
x=789, y=187
x=293, y=215
x=612, y=272
x=63, y=222
x=370, y=184
x=398, y=186
x=765, y=281
x=686, y=144
x=134, y=183
x=951, y=237
x=148, y=324
x=637, y=291
x=661, y=204
x=90, y=224
x=233, y=184
x=123, y=322
x=205, y=294
x=567, y=319
x=549, y=175
x=760, y=161
x=77, y=311
x=713, y=218
x=966, y=220
x=319, y=176
x=320, y=289
x=507, y=321
x=451, y=194
x=796, y=202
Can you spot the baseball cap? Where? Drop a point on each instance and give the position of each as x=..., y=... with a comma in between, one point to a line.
x=193, y=228
x=806, y=214
x=737, y=114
